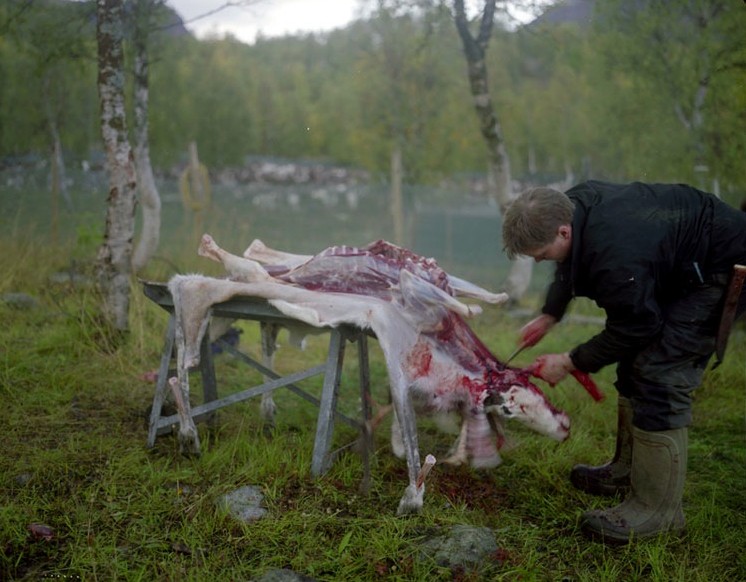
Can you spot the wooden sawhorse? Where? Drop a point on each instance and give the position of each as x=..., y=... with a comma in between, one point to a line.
x=270, y=319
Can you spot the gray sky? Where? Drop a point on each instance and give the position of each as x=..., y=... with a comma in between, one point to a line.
x=277, y=17
x=270, y=17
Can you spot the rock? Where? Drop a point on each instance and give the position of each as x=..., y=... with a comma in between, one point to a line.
x=71, y=278
x=245, y=503
x=464, y=546
x=283, y=576
x=23, y=479
x=19, y=300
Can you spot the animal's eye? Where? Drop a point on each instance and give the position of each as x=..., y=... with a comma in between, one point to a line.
x=506, y=411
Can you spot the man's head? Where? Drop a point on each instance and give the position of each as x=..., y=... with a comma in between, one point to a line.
x=538, y=224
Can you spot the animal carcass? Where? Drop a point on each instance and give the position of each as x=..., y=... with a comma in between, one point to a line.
x=433, y=357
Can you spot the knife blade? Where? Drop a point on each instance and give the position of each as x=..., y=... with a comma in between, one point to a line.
x=516, y=351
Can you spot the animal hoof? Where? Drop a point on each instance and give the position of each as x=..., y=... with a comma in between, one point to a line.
x=489, y=462
x=408, y=508
x=189, y=444
x=411, y=502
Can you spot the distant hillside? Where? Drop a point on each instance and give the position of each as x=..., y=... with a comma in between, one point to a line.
x=578, y=12
x=172, y=22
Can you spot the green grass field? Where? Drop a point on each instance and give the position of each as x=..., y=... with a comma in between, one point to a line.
x=74, y=417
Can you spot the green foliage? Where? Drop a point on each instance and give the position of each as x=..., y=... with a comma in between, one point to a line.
x=49, y=72
x=88, y=236
x=599, y=101
x=74, y=459
x=681, y=60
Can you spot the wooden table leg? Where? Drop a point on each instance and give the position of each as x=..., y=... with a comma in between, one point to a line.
x=327, y=406
x=160, y=387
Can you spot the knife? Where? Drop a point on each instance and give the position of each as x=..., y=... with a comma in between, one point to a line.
x=516, y=351
x=732, y=296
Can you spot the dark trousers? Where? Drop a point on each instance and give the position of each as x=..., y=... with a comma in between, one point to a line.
x=660, y=379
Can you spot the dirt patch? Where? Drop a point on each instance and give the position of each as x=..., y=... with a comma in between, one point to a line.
x=461, y=486
x=465, y=487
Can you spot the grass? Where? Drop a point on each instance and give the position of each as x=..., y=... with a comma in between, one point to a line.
x=74, y=459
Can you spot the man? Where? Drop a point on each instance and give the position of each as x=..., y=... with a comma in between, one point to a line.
x=656, y=258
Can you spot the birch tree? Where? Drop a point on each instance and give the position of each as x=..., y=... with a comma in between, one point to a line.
x=475, y=48
x=685, y=48
x=150, y=199
x=115, y=253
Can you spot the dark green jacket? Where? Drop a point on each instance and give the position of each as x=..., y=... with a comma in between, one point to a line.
x=636, y=247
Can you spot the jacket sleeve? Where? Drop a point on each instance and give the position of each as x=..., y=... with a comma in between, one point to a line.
x=633, y=320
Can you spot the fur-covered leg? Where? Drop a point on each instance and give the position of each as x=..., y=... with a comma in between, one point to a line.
x=188, y=435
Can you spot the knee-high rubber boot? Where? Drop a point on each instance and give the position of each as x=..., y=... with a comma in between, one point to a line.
x=654, y=503
x=613, y=477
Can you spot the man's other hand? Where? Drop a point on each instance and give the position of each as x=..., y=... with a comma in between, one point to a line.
x=537, y=328
x=552, y=368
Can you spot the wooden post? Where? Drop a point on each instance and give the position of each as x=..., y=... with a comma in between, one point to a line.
x=397, y=202
x=195, y=190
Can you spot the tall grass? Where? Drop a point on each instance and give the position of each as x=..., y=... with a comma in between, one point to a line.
x=74, y=459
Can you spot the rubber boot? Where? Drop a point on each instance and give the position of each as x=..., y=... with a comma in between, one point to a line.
x=654, y=504
x=613, y=477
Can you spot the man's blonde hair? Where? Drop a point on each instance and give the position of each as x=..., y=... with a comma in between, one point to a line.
x=531, y=220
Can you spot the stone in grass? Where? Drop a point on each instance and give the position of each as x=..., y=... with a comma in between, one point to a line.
x=244, y=504
x=19, y=300
x=283, y=576
x=464, y=546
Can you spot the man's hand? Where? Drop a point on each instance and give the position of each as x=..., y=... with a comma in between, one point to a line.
x=536, y=329
x=552, y=368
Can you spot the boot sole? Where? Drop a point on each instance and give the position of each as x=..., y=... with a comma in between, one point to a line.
x=617, y=539
x=597, y=488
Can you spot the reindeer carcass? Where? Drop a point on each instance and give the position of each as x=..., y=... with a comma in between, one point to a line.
x=434, y=359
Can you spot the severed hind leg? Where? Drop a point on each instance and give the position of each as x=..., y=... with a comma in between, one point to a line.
x=188, y=435
x=261, y=253
x=238, y=268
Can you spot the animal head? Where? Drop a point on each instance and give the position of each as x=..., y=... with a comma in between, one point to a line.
x=510, y=394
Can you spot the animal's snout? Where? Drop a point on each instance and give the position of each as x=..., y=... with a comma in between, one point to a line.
x=564, y=428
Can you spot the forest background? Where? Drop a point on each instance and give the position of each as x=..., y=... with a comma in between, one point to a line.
x=625, y=93
x=612, y=90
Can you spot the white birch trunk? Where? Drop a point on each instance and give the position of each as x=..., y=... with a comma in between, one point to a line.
x=150, y=199
x=519, y=277
x=115, y=254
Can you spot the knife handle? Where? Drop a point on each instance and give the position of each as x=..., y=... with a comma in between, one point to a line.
x=590, y=386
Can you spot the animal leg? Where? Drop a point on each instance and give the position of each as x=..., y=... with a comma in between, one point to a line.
x=481, y=441
x=261, y=253
x=463, y=288
x=193, y=295
x=188, y=435
x=238, y=268
x=504, y=441
x=397, y=444
x=411, y=501
x=426, y=304
x=458, y=454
